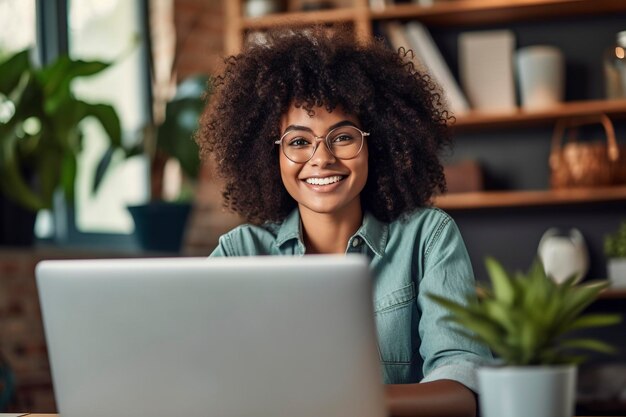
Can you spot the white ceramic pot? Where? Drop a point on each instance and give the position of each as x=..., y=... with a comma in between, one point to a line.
x=537, y=391
x=563, y=255
x=541, y=75
x=616, y=269
x=258, y=8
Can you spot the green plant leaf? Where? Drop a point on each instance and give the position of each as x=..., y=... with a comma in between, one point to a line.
x=12, y=70
x=49, y=170
x=106, y=115
x=575, y=301
x=12, y=181
x=588, y=344
x=44, y=95
x=524, y=317
x=68, y=175
x=502, y=288
x=58, y=75
x=101, y=169
x=593, y=320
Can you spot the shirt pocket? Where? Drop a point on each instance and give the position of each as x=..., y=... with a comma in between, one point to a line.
x=394, y=314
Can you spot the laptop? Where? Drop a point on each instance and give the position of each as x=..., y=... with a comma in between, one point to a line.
x=244, y=337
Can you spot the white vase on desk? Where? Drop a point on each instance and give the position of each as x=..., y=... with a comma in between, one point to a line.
x=523, y=391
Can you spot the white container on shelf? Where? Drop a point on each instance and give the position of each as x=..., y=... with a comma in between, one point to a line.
x=616, y=268
x=258, y=8
x=541, y=76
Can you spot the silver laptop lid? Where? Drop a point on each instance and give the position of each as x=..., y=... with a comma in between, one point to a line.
x=257, y=337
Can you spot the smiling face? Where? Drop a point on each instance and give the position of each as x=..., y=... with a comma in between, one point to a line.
x=324, y=184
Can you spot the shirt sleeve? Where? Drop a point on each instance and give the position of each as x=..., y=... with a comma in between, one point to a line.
x=448, y=273
x=222, y=248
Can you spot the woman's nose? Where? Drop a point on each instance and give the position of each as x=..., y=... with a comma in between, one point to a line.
x=322, y=155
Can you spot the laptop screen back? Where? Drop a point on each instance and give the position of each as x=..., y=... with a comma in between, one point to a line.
x=257, y=336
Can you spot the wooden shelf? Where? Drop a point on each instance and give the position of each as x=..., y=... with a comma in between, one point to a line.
x=450, y=12
x=613, y=294
x=481, y=12
x=493, y=199
x=613, y=108
x=345, y=14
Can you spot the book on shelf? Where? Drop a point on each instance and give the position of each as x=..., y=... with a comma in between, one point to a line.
x=427, y=51
x=486, y=70
x=397, y=38
x=378, y=5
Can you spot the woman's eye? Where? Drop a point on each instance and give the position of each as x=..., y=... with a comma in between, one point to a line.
x=342, y=138
x=299, y=142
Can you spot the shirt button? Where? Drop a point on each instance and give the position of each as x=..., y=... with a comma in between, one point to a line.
x=356, y=242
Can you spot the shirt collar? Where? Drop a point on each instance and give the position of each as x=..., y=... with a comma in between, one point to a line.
x=372, y=231
x=290, y=229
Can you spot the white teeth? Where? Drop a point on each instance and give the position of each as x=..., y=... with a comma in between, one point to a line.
x=324, y=181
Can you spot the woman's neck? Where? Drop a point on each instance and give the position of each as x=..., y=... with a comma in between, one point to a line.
x=329, y=232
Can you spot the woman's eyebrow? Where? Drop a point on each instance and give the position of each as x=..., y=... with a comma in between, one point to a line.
x=308, y=129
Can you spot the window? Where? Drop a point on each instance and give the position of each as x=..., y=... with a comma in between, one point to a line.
x=113, y=31
x=17, y=20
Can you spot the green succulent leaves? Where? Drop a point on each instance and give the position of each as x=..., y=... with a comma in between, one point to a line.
x=41, y=139
x=615, y=243
x=528, y=319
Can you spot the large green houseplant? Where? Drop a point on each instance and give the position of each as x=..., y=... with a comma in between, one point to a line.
x=530, y=322
x=40, y=132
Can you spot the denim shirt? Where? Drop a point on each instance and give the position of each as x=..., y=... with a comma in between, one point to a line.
x=410, y=257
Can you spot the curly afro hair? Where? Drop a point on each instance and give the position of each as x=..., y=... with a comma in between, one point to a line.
x=401, y=108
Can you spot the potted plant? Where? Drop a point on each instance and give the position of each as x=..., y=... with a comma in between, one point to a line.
x=160, y=223
x=40, y=137
x=527, y=320
x=615, y=252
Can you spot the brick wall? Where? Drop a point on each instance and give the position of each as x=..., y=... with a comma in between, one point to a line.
x=199, y=36
x=199, y=26
x=21, y=334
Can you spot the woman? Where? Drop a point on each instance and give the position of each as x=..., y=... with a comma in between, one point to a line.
x=329, y=146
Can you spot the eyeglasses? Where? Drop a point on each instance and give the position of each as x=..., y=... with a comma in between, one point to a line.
x=344, y=142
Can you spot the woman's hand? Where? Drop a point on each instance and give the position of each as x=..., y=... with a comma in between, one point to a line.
x=431, y=399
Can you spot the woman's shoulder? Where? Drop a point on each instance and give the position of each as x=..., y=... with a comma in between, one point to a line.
x=424, y=217
x=249, y=239
x=427, y=225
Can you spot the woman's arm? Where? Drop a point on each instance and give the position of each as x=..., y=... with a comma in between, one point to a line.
x=431, y=399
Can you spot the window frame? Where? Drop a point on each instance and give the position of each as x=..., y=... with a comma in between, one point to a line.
x=53, y=40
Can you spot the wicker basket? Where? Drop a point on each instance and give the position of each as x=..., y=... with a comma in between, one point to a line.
x=586, y=164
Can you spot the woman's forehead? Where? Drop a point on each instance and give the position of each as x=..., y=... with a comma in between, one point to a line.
x=319, y=116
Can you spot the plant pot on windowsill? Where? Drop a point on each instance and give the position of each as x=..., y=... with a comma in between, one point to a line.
x=174, y=169
x=160, y=225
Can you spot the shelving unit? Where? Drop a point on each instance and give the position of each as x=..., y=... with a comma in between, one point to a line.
x=454, y=13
